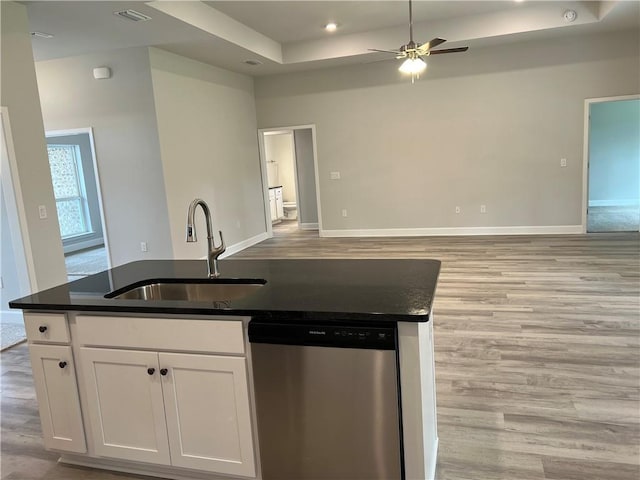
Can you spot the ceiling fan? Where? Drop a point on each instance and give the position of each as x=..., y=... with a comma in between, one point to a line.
x=413, y=52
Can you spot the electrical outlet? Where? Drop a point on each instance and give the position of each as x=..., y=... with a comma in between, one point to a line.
x=344, y=212
x=42, y=212
x=458, y=210
x=335, y=175
x=563, y=162
x=143, y=247
x=483, y=209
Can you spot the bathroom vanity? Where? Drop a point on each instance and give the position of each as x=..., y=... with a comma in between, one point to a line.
x=133, y=374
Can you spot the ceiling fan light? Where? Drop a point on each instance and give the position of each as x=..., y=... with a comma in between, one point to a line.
x=413, y=66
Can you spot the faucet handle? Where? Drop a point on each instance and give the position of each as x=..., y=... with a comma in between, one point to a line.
x=221, y=249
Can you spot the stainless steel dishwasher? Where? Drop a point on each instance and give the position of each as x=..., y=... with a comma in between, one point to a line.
x=327, y=401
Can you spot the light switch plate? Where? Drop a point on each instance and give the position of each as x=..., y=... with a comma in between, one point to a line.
x=42, y=212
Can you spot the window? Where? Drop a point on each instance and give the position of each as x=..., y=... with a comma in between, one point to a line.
x=69, y=190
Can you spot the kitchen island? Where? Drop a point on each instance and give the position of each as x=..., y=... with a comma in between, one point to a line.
x=193, y=415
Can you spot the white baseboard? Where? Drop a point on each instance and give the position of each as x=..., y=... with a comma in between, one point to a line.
x=453, y=231
x=615, y=203
x=249, y=242
x=308, y=226
x=11, y=316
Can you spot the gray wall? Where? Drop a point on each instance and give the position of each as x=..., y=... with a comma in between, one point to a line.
x=307, y=203
x=614, y=153
x=208, y=136
x=20, y=95
x=122, y=113
x=485, y=127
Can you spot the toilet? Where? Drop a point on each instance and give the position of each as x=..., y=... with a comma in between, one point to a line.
x=290, y=210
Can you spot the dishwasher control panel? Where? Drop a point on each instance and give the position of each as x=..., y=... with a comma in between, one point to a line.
x=382, y=338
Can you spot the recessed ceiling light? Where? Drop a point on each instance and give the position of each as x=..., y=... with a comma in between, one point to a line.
x=331, y=27
x=132, y=15
x=41, y=35
x=253, y=63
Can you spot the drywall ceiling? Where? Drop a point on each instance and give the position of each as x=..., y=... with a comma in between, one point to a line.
x=288, y=35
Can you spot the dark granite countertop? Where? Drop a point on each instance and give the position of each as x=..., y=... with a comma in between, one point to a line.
x=295, y=289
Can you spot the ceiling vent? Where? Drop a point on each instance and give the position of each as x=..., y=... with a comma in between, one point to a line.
x=132, y=15
x=253, y=63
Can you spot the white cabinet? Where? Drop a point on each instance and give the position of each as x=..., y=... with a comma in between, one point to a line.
x=125, y=408
x=57, y=391
x=279, y=204
x=54, y=376
x=207, y=411
x=188, y=410
x=276, y=204
x=272, y=205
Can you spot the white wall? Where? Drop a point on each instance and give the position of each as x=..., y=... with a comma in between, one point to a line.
x=279, y=148
x=485, y=127
x=208, y=139
x=19, y=93
x=614, y=153
x=122, y=113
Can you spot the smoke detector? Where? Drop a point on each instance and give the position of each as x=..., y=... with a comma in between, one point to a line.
x=569, y=16
x=132, y=15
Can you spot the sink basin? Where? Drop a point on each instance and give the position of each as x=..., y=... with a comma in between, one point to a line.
x=197, y=290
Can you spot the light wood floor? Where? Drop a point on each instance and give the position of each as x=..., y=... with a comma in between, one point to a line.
x=537, y=356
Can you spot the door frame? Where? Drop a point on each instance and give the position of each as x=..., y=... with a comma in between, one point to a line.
x=585, y=149
x=265, y=181
x=20, y=241
x=89, y=131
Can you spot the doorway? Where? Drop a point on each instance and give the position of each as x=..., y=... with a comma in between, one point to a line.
x=290, y=180
x=76, y=188
x=17, y=275
x=612, y=157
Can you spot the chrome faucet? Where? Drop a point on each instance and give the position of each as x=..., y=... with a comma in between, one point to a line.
x=213, y=251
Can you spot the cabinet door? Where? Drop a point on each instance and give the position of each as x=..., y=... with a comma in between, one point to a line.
x=207, y=406
x=57, y=390
x=272, y=206
x=125, y=405
x=279, y=203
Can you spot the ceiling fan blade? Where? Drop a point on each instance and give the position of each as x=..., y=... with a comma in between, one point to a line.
x=425, y=47
x=432, y=43
x=448, y=50
x=395, y=52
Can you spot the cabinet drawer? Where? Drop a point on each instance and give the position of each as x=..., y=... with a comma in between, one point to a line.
x=216, y=336
x=47, y=327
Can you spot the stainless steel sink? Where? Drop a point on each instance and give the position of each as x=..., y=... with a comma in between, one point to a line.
x=189, y=290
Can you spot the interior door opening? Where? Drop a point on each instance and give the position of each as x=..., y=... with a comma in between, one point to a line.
x=289, y=176
x=17, y=273
x=613, y=145
x=76, y=188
